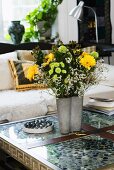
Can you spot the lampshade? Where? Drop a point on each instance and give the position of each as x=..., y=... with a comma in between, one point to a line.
x=77, y=11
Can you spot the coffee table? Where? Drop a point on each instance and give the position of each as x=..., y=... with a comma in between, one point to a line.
x=86, y=152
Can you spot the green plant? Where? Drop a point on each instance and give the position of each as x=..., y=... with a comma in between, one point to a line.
x=7, y=37
x=46, y=11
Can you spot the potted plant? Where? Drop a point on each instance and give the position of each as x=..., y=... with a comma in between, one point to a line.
x=41, y=19
x=69, y=72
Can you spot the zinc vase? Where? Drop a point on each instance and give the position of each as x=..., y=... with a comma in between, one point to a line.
x=76, y=113
x=16, y=31
x=63, y=109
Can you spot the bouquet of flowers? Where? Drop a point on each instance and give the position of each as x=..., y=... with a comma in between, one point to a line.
x=66, y=69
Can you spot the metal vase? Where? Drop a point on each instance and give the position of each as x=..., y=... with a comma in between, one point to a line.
x=63, y=109
x=76, y=113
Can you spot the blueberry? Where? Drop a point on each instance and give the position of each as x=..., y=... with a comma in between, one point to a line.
x=26, y=125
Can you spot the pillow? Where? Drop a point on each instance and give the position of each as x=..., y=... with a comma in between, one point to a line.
x=25, y=55
x=19, y=72
x=6, y=80
x=108, y=74
x=10, y=55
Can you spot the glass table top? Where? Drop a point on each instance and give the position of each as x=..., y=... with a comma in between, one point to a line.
x=86, y=153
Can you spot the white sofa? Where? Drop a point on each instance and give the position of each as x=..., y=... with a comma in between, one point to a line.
x=16, y=105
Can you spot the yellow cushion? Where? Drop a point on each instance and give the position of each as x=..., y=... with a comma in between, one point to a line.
x=19, y=72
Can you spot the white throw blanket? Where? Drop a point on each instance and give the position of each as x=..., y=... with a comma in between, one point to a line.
x=22, y=105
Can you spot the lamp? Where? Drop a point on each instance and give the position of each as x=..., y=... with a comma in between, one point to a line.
x=77, y=12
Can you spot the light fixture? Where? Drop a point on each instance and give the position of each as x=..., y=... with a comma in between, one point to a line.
x=77, y=13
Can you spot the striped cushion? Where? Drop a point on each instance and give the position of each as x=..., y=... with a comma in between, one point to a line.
x=19, y=72
x=89, y=49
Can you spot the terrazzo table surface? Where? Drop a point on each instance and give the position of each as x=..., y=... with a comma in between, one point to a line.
x=85, y=153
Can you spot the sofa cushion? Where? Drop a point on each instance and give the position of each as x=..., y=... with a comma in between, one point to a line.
x=26, y=104
x=25, y=55
x=108, y=75
x=19, y=72
x=89, y=49
x=6, y=80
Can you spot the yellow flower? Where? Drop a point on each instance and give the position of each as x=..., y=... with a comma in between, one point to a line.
x=32, y=71
x=48, y=59
x=87, y=60
x=84, y=53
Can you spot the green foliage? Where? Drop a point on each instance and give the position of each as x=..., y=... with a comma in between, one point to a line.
x=30, y=33
x=38, y=54
x=7, y=37
x=46, y=11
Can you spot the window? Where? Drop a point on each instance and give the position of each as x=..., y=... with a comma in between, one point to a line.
x=12, y=10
